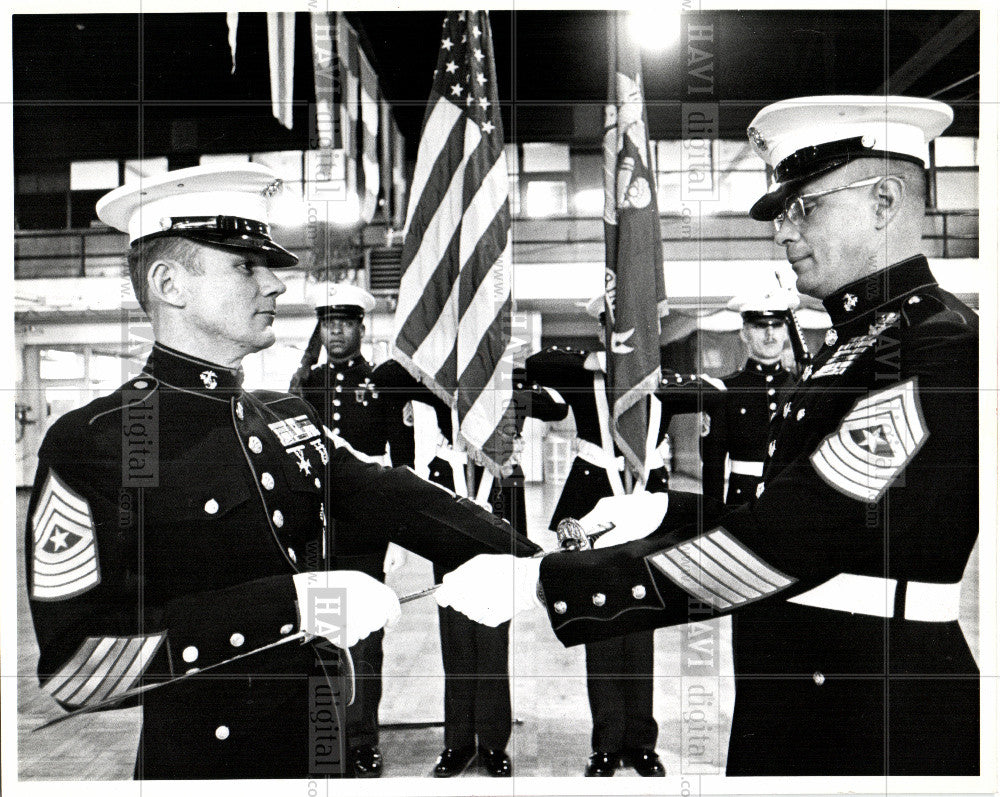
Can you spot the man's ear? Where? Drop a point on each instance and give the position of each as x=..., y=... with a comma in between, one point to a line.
x=888, y=200
x=744, y=336
x=165, y=281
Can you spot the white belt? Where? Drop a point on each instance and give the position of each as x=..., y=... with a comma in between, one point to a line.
x=745, y=468
x=449, y=454
x=457, y=459
x=847, y=592
x=596, y=455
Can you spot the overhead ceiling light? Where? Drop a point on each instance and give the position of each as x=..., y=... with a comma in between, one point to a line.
x=655, y=27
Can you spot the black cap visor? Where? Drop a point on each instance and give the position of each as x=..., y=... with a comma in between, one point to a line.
x=809, y=163
x=348, y=311
x=772, y=204
x=229, y=232
x=769, y=318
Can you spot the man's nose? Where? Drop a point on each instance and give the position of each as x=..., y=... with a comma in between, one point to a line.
x=786, y=233
x=270, y=285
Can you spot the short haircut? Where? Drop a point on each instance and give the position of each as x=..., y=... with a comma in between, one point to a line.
x=146, y=252
x=914, y=174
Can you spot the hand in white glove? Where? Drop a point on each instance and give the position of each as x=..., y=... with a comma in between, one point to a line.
x=634, y=516
x=344, y=606
x=491, y=588
x=395, y=558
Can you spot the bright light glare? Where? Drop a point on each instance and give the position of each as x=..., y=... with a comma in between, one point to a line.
x=345, y=212
x=589, y=202
x=288, y=210
x=655, y=27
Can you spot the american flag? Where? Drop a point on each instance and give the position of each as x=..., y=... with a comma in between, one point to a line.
x=453, y=317
x=635, y=297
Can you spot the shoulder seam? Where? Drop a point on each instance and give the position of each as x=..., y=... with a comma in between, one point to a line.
x=122, y=407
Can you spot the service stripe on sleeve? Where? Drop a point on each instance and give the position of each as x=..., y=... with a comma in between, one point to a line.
x=749, y=560
x=64, y=557
x=102, y=667
x=687, y=582
x=719, y=571
x=873, y=444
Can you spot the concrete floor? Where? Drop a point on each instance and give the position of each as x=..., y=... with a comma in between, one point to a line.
x=551, y=735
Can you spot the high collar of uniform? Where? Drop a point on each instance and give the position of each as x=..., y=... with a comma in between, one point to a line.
x=763, y=368
x=870, y=293
x=345, y=365
x=192, y=373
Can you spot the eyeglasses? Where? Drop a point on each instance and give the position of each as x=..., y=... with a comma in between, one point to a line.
x=795, y=207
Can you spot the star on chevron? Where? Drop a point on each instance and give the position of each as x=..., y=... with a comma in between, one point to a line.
x=446, y=44
x=450, y=67
x=872, y=439
x=456, y=89
x=58, y=539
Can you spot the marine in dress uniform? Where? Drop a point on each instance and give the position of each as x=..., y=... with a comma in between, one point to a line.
x=177, y=522
x=737, y=429
x=343, y=394
x=477, y=715
x=619, y=670
x=844, y=591
x=843, y=575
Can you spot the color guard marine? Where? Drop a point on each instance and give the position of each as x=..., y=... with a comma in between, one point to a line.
x=345, y=398
x=735, y=432
x=477, y=707
x=150, y=563
x=620, y=670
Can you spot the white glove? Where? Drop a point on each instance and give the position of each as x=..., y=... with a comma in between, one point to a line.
x=395, y=558
x=634, y=516
x=344, y=606
x=491, y=588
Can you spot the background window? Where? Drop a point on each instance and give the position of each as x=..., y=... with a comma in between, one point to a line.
x=546, y=198
x=545, y=158
x=92, y=175
x=142, y=168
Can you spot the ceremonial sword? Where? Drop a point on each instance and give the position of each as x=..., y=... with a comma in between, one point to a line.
x=570, y=534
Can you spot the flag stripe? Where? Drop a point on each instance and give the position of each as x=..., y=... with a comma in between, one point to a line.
x=438, y=128
x=453, y=317
x=431, y=273
x=483, y=311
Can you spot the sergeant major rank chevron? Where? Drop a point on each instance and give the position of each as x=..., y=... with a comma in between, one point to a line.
x=873, y=444
x=64, y=560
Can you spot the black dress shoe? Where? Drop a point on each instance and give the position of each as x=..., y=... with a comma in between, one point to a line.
x=645, y=761
x=495, y=762
x=454, y=761
x=602, y=765
x=365, y=761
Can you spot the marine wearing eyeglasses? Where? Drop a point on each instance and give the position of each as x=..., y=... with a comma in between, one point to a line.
x=843, y=575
